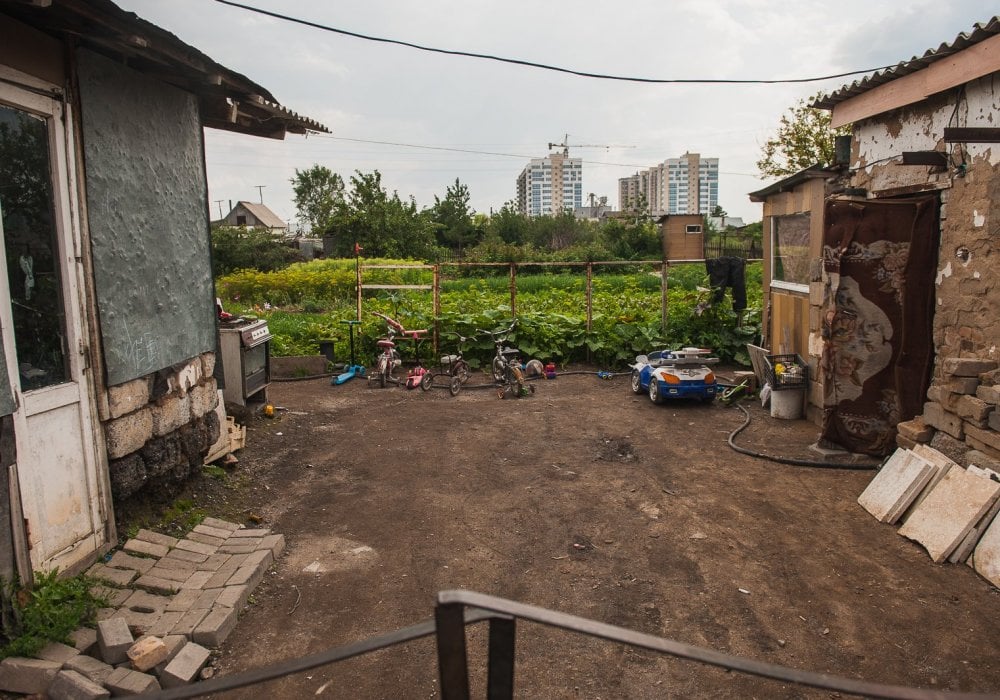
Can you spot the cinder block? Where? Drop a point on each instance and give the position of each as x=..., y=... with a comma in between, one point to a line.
x=147, y=652
x=128, y=397
x=60, y=653
x=21, y=675
x=125, y=681
x=94, y=669
x=935, y=415
x=113, y=640
x=185, y=666
x=129, y=433
x=145, y=548
x=967, y=366
x=70, y=685
x=156, y=538
x=169, y=413
x=213, y=630
x=123, y=560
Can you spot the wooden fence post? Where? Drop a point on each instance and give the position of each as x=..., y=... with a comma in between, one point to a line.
x=663, y=297
x=513, y=290
x=590, y=305
x=437, y=307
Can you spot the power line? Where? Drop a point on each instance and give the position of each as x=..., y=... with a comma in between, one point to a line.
x=543, y=66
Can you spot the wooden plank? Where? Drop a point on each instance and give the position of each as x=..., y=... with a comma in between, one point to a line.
x=399, y=286
x=968, y=134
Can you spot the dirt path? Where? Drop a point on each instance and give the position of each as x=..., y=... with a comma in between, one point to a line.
x=589, y=500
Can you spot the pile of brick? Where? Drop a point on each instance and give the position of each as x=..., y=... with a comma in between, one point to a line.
x=173, y=600
x=961, y=417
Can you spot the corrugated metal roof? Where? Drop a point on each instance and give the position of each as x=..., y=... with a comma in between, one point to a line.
x=980, y=32
x=228, y=100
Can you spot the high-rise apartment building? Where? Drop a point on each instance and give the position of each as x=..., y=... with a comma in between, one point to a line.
x=550, y=185
x=685, y=185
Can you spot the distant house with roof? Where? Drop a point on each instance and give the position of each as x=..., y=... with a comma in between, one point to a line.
x=253, y=215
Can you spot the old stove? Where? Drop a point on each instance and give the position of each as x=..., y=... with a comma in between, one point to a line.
x=246, y=360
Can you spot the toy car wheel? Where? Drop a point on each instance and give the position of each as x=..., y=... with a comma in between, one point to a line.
x=636, y=382
x=654, y=391
x=455, y=386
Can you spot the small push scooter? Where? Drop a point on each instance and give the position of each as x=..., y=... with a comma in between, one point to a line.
x=354, y=369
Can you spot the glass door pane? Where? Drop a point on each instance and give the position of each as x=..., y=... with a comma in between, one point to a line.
x=29, y=233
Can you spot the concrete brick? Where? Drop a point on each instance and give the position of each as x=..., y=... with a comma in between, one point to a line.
x=216, y=626
x=184, y=555
x=260, y=557
x=247, y=575
x=962, y=385
x=169, y=413
x=233, y=596
x=174, y=642
x=156, y=538
x=217, y=532
x=981, y=447
x=221, y=524
x=129, y=433
x=123, y=560
x=124, y=681
x=941, y=522
x=200, y=548
x=94, y=669
x=986, y=437
x=916, y=430
x=115, y=597
x=180, y=574
x=989, y=394
x=246, y=532
x=994, y=420
x=967, y=366
x=147, y=652
x=55, y=651
x=139, y=623
x=128, y=397
x=204, y=398
x=155, y=584
x=185, y=666
x=70, y=685
x=84, y=639
x=149, y=549
x=983, y=460
x=276, y=543
x=166, y=624
x=198, y=579
x=207, y=598
x=115, y=577
x=189, y=620
x=205, y=539
x=141, y=601
x=939, y=394
x=113, y=639
x=214, y=562
x=21, y=675
x=974, y=410
x=935, y=415
x=207, y=364
x=239, y=548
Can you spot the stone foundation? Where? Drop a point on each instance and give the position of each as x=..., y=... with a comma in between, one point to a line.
x=161, y=426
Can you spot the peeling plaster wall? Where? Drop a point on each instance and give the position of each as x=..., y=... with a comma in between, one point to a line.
x=148, y=219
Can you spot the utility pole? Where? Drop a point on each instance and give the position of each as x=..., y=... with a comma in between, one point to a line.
x=260, y=188
x=219, y=202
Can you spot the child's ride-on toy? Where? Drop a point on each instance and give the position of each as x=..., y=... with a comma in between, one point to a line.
x=354, y=369
x=667, y=374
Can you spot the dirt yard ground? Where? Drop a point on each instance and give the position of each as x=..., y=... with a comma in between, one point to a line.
x=588, y=500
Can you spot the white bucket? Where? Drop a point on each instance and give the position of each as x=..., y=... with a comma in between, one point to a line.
x=787, y=404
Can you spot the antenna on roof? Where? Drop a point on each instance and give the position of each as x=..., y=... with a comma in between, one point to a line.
x=260, y=188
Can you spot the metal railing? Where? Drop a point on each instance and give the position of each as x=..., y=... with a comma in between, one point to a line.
x=457, y=609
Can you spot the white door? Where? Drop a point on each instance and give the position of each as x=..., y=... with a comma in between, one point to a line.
x=61, y=496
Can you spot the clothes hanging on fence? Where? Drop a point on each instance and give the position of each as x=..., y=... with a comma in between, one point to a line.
x=728, y=272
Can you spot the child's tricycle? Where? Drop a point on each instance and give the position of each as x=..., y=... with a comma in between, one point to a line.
x=683, y=373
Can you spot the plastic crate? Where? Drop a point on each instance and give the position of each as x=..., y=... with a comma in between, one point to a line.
x=795, y=376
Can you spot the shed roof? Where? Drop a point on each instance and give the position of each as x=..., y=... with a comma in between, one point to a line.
x=228, y=100
x=790, y=182
x=981, y=32
x=263, y=214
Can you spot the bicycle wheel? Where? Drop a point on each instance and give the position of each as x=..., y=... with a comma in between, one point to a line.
x=383, y=371
x=499, y=367
x=460, y=370
x=455, y=386
x=426, y=381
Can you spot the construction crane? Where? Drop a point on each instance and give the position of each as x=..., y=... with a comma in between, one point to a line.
x=566, y=145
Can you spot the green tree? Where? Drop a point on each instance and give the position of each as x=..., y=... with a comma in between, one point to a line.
x=318, y=193
x=453, y=218
x=509, y=225
x=803, y=138
x=239, y=248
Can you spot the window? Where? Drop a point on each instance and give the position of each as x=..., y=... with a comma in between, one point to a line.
x=790, y=252
x=692, y=228
x=241, y=220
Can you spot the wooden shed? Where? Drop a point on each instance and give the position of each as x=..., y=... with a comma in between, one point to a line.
x=683, y=236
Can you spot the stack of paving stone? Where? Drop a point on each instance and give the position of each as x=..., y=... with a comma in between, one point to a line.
x=950, y=510
x=173, y=600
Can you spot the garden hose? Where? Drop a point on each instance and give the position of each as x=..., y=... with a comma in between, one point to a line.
x=791, y=460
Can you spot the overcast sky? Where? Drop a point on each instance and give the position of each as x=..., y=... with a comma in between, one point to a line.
x=365, y=91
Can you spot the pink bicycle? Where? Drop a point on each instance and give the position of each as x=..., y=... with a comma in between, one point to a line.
x=388, y=358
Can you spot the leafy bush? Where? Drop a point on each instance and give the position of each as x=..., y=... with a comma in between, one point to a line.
x=238, y=248
x=46, y=613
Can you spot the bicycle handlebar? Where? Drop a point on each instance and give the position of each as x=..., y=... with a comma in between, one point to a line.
x=503, y=332
x=391, y=322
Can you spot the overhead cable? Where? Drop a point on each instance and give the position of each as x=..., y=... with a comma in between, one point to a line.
x=544, y=66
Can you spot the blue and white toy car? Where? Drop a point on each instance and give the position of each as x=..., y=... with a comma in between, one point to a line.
x=681, y=374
